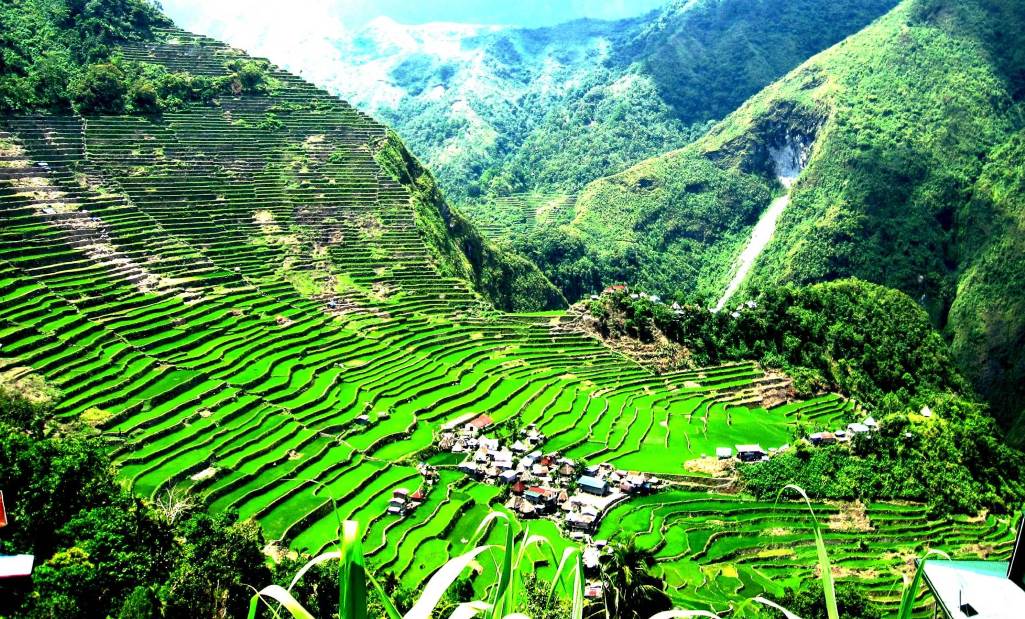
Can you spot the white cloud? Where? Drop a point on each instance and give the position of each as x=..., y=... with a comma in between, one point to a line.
x=301, y=35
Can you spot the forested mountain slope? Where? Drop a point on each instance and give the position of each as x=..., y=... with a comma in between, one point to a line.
x=495, y=111
x=907, y=142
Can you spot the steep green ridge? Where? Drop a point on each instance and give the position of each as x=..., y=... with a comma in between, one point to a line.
x=909, y=131
x=668, y=77
x=509, y=281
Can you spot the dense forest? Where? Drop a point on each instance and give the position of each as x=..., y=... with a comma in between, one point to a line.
x=59, y=55
x=552, y=109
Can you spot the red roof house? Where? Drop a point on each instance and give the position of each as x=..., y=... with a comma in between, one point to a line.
x=481, y=423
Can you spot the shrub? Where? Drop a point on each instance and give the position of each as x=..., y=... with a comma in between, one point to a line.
x=144, y=97
x=100, y=90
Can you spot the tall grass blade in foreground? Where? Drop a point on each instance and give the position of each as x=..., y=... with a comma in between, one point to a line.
x=907, y=600
x=826, y=569
x=352, y=594
x=440, y=583
x=283, y=598
x=771, y=604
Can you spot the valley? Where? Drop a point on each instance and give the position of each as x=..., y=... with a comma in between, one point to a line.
x=255, y=300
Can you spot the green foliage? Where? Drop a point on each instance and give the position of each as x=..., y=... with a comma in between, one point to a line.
x=656, y=90
x=956, y=462
x=864, y=340
x=48, y=45
x=675, y=220
x=99, y=550
x=144, y=97
x=630, y=588
x=869, y=342
x=141, y=603
x=220, y=556
x=27, y=402
x=100, y=90
x=56, y=54
x=851, y=602
x=987, y=318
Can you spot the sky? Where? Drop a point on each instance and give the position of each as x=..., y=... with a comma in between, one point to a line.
x=356, y=13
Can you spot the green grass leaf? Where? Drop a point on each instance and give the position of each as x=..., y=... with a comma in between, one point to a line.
x=826, y=569
x=771, y=604
x=282, y=597
x=907, y=601
x=389, y=607
x=440, y=583
x=353, y=574
x=314, y=562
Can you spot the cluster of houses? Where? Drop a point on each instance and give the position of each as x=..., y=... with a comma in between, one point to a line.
x=403, y=502
x=866, y=427
x=542, y=484
x=676, y=307
x=755, y=453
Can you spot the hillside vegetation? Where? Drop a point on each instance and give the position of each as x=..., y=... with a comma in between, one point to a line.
x=873, y=343
x=908, y=131
x=241, y=312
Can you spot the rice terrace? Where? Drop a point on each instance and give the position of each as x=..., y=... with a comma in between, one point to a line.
x=259, y=302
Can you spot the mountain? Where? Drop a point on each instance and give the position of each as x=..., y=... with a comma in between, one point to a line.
x=498, y=111
x=902, y=145
x=235, y=311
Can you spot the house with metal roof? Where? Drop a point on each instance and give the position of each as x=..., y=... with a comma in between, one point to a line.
x=751, y=453
x=593, y=485
x=979, y=589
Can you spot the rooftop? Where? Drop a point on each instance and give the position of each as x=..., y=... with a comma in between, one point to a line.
x=981, y=584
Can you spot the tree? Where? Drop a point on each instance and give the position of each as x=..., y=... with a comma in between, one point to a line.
x=144, y=97
x=141, y=603
x=630, y=590
x=218, y=557
x=126, y=547
x=27, y=402
x=101, y=90
x=851, y=602
x=252, y=76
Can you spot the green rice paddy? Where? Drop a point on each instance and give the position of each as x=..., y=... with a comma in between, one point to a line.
x=233, y=299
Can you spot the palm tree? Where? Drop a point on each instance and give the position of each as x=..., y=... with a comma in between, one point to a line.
x=630, y=589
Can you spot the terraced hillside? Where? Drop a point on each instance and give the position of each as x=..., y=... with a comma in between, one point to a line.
x=714, y=550
x=510, y=217
x=250, y=307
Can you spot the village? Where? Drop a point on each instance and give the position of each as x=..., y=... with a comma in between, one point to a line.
x=540, y=485
x=546, y=485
